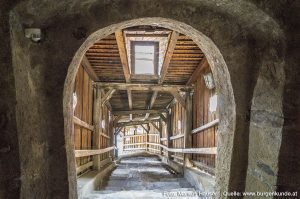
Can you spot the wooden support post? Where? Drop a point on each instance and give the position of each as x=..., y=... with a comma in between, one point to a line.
x=147, y=139
x=160, y=136
x=97, y=113
x=111, y=135
x=169, y=133
x=116, y=142
x=188, y=128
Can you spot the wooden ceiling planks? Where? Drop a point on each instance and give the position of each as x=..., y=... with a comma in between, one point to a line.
x=108, y=59
x=105, y=60
x=185, y=59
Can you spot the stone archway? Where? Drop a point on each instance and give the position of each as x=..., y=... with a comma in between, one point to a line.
x=40, y=72
x=219, y=70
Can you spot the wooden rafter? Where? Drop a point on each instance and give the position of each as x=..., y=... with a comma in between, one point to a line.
x=139, y=111
x=153, y=98
x=107, y=102
x=145, y=129
x=170, y=49
x=178, y=97
x=155, y=126
x=163, y=117
x=89, y=69
x=202, y=65
x=123, y=54
x=168, y=56
x=107, y=95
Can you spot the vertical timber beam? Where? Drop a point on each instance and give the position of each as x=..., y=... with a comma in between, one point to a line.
x=148, y=127
x=97, y=120
x=111, y=135
x=160, y=136
x=116, y=142
x=188, y=128
x=123, y=56
x=169, y=133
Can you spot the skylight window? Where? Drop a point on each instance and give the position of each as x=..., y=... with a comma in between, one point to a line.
x=144, y=58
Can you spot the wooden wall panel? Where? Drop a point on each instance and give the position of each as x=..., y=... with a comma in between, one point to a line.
x=83, y=111
x=201, y=116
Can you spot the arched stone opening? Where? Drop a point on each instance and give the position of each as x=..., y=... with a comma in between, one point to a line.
x=216, y=62
x=220, y=23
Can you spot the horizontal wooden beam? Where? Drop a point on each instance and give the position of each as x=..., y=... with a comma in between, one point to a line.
x=138, y=135
x=143, y=87
x=83, y=124
x=211, y=150
x=206, y=126
x=83, y=167
x=146, y=35
x=134, y=149
x=203, y=166
x=83, y=153
x=131, y=123
x=176, y=136
x=177, y=157
x=104, y=135
x=140, y=111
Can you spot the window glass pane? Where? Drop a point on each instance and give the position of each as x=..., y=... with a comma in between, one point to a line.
x=146, y=52
x=144, y=59
x=144, y=67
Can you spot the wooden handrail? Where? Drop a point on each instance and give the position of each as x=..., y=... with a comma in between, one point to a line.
x=104, y=135
x=176, y=136
x=205, y=126
x=140, y=143
x=129, y=136
x=209, y=150
x=83, y=153
x=83, y=124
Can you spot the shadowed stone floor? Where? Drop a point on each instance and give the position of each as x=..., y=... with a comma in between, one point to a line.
x=143, y=177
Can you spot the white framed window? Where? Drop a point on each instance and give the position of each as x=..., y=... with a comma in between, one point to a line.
x=144, y=57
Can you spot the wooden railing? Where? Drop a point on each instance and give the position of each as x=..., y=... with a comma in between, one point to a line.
x=83, y=153
x=211, y=150
x=206, y=126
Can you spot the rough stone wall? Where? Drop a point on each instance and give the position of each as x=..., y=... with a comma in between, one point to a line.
x=9, y=150
x=273, y=133
x=243, y=32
